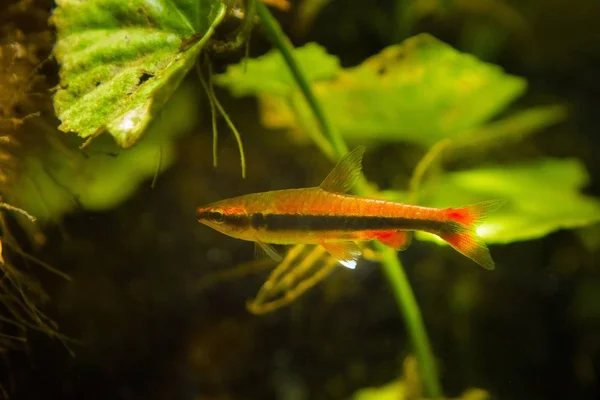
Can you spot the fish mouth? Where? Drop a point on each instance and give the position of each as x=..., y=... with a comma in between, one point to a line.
x=205, y=213
x=201, y=214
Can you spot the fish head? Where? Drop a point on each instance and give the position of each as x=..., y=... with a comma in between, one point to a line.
x=229, y=219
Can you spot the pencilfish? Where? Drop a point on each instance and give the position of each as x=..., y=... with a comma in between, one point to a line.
x=330, y=217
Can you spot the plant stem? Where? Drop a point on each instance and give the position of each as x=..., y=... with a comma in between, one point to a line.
x=286, y=48
x=392, y=267
x=403, y=19
x=409, y=307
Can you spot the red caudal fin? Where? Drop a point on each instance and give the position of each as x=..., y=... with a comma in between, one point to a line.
x=460, y=231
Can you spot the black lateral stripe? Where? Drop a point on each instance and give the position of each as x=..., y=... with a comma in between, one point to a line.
x=257, y=220
x=237, y=220
x=297, y=222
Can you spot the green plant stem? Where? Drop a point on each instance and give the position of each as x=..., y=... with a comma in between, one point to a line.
x=409, y=307
x=286, y=48
x=392, y=267
x=403, y=13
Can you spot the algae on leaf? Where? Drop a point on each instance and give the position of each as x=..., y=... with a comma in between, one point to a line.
x=120, y=60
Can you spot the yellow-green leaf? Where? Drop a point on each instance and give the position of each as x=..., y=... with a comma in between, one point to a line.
x=420, y=91
x=269, y=74
x=541, y=196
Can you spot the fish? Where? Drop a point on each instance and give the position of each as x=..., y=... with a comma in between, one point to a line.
x=327, y=215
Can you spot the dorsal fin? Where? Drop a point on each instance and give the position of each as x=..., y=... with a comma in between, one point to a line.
x=345, y=174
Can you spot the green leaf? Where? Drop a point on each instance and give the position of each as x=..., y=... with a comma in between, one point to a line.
x=269, y=74
x=513, y=128
x=395, y=390
x=420, y=91
x=120, y=60
x=541, y=197
x=105, y=176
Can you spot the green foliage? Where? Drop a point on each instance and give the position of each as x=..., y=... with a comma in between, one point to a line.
x=105, y=176
x=541, y=196
x=423, y=92
x=122, y=59
x=409, y=386
x=392, y=391
x=268, y=74
x=420, y=91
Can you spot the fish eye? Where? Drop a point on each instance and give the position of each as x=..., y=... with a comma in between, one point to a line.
x=216, y=216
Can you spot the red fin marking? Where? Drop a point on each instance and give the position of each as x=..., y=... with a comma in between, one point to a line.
x=470, y=245
x=461, y=235
x=398, y=240
x=472, y=214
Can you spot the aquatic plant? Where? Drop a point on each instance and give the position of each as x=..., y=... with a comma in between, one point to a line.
x=430, y=94
x=121, y=68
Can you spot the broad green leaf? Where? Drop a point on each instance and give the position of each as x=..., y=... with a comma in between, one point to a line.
x=541, y=197
x=269, y=74
x=120, y=60
x=106, y=175
x=420, y=91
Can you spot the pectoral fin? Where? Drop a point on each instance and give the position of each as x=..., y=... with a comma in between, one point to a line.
x=261, y=249
x=347, y=253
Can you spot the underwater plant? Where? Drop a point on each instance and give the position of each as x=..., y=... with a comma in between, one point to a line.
x=424, y=92
x=121, y=95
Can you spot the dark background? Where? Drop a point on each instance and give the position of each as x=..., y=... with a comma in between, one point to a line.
x=150, y=330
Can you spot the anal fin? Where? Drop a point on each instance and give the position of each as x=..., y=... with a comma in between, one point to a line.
x=398, y=240
x=347, y=253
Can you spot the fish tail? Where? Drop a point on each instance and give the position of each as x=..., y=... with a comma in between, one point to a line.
x=460, y=231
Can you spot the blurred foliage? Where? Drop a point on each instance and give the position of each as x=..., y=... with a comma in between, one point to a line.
x=420, y=91
x=307, y=12
x=134, y=260
x=408, y=387
x=301, y=269
x=541, y=196
x=121, y=60
x=103, y=176
x=26, y=129
x=424, y=92
x=269, y=75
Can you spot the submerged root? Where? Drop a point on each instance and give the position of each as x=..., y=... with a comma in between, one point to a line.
x=20, y=295
x=238, y=272
x=302, y=268
x=27, y=129
x=215, y=105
